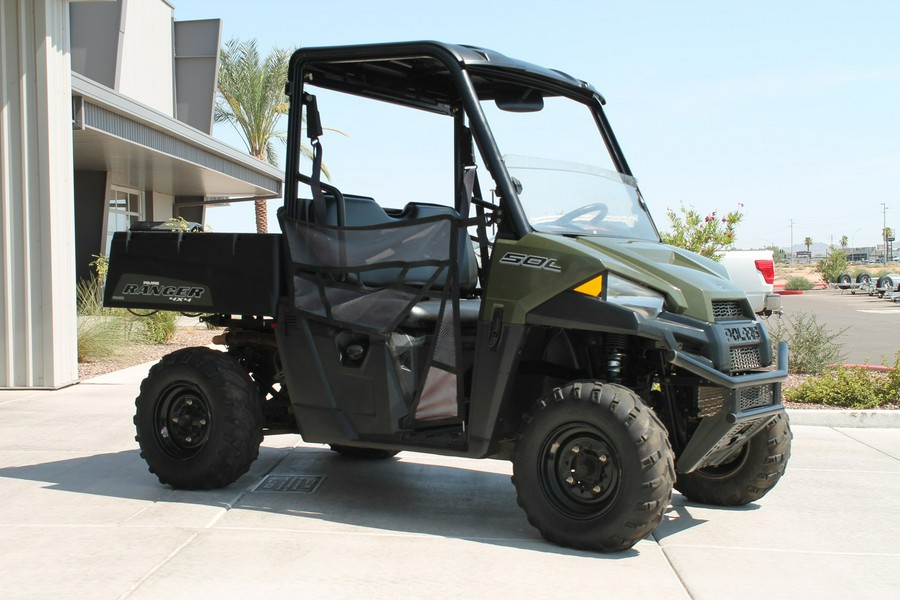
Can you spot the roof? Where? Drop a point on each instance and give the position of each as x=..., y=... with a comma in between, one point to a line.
x=384, y=70
x=146, y=149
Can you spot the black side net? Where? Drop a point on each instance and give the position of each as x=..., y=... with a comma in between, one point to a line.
x=368, y=279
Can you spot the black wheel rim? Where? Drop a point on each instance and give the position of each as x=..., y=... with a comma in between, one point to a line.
x=727, y=469
x=182, y=421
x=579, y=471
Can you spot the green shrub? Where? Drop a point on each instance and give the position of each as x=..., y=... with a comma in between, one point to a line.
x=850, y=387
x=707, y=235
x=812, y=346
x=832, y=265
x=798, y=283
x=159, y=327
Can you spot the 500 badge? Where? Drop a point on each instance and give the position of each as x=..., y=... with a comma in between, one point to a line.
x=530, y=261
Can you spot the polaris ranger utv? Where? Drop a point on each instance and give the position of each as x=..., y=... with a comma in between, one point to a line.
x=517, y=305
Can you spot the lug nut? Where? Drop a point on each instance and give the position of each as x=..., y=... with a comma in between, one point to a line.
x=189, y=402
x=203, y=421
x=603, y=458
x=570, y=480
x=597, y=489
x=188, y=439
x=576, y=449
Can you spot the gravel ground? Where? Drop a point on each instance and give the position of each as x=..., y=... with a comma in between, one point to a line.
x=185, y=337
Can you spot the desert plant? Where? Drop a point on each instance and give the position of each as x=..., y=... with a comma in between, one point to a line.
x=705, y=235
x=798, y=283
x=778, y=254
x=98, y=337
x=849, y=387
x=832, y=265
x=89, y=296
x=102, y=331
x=159, y=327
x=812, y=345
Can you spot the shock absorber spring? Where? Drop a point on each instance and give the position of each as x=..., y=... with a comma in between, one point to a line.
x=616, y=345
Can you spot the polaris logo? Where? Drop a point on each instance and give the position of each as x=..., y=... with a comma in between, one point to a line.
x=531, y=261
x=174, y=293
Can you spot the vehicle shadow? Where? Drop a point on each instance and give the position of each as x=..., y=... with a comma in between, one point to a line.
x=410, y=495
x=680, y=516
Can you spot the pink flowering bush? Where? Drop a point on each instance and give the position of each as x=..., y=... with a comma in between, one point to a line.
x=707, y=235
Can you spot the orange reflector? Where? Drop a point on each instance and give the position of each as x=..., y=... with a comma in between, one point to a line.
x=593, y=287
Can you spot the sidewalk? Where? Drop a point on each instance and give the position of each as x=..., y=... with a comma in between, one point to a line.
x=81, y=517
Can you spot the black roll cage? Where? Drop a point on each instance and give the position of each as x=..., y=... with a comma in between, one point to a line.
x=450, y=80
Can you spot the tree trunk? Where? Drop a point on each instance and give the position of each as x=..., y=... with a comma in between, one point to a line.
x=262, y=219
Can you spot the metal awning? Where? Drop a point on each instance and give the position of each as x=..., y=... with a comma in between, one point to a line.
x=145, y=149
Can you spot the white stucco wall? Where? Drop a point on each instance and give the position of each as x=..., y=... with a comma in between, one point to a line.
x=162, y=206
x=146, y=69
x=38, y=346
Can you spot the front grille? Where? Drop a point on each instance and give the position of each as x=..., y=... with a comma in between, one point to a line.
x=709, y=400
x=727, y=310
x=745, y=358
x=754, y=397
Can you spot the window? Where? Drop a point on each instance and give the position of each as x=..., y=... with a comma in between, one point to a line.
x=124, y=208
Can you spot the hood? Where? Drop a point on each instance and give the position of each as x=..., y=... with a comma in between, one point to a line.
x=689, y=281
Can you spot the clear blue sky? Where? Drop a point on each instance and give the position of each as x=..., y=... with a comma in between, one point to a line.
x=789, y=108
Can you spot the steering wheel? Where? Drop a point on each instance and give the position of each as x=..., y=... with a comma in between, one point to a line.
x=568, y=219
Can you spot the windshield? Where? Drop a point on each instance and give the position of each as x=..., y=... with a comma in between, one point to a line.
x=564, y=197
x=564, y=175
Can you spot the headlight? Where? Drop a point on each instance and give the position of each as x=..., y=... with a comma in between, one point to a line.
x=625, y=293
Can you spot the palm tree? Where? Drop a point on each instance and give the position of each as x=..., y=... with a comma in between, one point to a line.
x=808, y=242
x=251, y=97
x=843, y=242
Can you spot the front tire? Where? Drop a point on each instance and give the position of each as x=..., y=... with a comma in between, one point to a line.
x=198, y=419
x=749, y=476
x=593, y=468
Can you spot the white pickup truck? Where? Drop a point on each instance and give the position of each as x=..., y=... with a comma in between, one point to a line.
x=754, y=271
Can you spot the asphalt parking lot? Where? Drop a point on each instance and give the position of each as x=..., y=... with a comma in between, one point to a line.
x=82, y=518
x=871, y=325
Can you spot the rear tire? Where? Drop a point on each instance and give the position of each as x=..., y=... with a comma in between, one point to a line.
x=844, y=279
x=198, y=419
x=756, y=469
x=593, y=468
x=363, y=453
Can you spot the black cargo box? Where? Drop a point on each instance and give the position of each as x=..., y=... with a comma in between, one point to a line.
x=229, y=273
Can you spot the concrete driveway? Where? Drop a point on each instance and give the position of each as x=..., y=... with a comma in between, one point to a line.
x=82, y=518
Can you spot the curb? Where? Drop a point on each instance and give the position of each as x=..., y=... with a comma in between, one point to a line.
x=884, y=419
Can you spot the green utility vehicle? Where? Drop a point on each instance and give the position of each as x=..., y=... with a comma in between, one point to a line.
x=484, y=281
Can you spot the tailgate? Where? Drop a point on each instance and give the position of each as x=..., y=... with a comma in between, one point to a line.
x=229, y=273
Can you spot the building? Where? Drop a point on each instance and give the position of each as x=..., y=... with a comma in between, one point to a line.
x=106, y=111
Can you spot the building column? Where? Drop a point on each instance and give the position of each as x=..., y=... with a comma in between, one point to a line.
x=38, y=324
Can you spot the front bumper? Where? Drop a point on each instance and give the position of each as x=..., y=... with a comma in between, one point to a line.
x=749, y=403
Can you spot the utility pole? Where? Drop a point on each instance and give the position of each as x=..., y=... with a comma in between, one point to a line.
x=791, y=249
